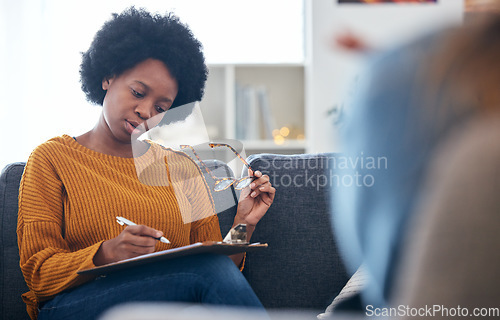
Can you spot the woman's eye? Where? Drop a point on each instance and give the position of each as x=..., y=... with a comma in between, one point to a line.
x=160, y=109
x=137, y=93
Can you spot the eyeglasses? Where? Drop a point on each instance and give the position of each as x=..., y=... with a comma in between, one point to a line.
x=224, y=183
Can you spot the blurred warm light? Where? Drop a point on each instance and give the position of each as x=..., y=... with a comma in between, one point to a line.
x=301, y=137
x=279, y=140
x=284, y=131
x=276, y=132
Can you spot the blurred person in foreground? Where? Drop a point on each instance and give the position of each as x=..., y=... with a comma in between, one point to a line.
x=412, y=101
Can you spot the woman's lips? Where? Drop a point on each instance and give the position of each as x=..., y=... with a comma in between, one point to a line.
x=138, y=127
x=131, y=126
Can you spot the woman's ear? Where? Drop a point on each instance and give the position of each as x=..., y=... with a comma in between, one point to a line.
x=106, y=82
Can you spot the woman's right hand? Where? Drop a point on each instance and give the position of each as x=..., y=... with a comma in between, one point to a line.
x=133, y=241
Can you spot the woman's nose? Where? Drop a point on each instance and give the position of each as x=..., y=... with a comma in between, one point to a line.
x=144, y=111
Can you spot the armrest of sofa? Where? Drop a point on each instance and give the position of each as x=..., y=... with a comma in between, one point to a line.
x=12, y=283
x=302, y=267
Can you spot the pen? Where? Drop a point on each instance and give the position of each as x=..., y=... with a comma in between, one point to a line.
x=122, y=221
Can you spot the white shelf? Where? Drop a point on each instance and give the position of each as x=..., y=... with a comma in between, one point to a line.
x=271, y=145
x=285, y=93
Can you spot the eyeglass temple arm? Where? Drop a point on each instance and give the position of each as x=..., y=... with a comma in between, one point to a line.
x=183, y=146
x=212, y=145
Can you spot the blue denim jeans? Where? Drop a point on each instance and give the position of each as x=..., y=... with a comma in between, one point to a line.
x=209, y=279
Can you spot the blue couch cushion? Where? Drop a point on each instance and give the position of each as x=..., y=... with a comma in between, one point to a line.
x=302, y=267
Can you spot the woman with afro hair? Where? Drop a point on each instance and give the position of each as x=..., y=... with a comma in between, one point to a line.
x=138, y=66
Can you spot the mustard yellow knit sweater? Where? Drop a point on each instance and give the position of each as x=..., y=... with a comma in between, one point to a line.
x=69, y=199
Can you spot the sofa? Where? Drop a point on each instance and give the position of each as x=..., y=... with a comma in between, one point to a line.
x=301, y=268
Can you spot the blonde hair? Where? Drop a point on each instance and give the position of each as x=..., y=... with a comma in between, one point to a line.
x=457, y=77
x=462, y=73
x=482, y=5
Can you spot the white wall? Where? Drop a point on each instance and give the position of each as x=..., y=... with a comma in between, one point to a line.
x=331, y=70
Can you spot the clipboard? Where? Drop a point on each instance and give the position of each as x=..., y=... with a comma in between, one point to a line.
x=192, y=249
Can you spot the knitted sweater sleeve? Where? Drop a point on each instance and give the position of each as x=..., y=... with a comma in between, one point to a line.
x=47, y=263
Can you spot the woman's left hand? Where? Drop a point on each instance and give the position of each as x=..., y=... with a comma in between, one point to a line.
x=255, y=200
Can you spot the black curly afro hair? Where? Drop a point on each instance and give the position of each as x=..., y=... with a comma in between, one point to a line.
x=136, y=35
